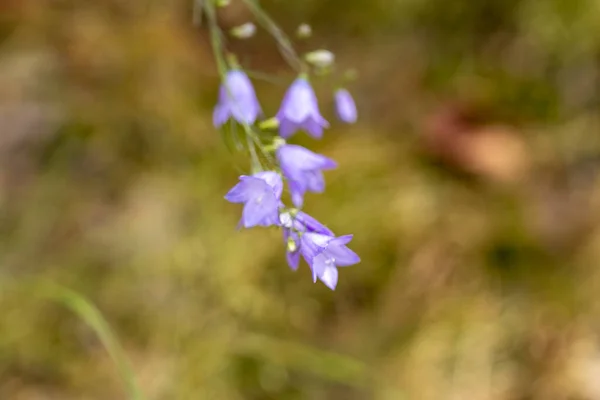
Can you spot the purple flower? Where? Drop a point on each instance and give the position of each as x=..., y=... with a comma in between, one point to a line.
x=303, y=169
x=300, y=110
x=301, y=222
x=237, y=99
x=261, y=194
x=305, y=223
x=324, y=253
x=345, y=106
x=318, y=245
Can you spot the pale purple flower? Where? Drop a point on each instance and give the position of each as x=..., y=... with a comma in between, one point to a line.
x=318, y=246
x=305, y=223
x=300, y=110
x=303, y=169
x=300, y=222
x=325, y=253
x=261, y=195
x=237, y=99
x=345, y=106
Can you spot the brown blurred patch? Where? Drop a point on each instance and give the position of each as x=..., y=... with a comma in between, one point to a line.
x=462, y=138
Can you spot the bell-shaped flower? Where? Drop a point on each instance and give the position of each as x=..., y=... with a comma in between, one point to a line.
x=324, y=253
x=318, y=245
x=345, y=106
x=237, y=99
x=292, y=227
x=300, y=110
x=261, y=195
x=303, y=169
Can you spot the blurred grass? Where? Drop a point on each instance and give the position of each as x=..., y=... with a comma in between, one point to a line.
x=470, y=185
x=88, y=313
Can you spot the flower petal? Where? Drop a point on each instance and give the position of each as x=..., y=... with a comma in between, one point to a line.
x=309, y=248
x=342, y=240
x=310, y=224
x=287, y=128
x=220, y=115
x=237, y=194
x=293, y=259
x=297, y=158
x=238, y=95
x=248, y=187
x=297, y=191
x=345, y=106
x=273, y=179
x=319, y=239
x=261, y=211
x=315, y=182
x=330, y=277
x=314, y=126
x=342, y=255
x=299, y=103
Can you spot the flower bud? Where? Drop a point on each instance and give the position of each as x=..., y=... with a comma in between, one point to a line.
x=244, y=31
x=320, y=58
x=304, y=31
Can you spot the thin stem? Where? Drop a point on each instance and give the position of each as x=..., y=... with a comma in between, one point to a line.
x=267, y=78
x=215, y=37
x=256, y=165
x=283, y=42
x=266, y=154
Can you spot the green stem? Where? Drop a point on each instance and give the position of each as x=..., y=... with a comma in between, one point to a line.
x=215, y=37
x=256, y=165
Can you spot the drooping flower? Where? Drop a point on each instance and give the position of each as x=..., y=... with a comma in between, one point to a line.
x=300, y=110
x=292, y=226
x=303, y=169
x=324, y=253
x=261, y=195
x=237, y=99
x=345, y=106
x=318, y=245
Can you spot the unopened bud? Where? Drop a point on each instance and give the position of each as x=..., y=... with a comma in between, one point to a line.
x=244, y=31
x=304, y=31
x=320, y=58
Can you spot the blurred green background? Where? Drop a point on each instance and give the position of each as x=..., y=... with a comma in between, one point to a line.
x=470, y=184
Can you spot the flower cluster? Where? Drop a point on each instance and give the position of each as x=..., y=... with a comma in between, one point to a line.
x=277, y=163
x=301, y=168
